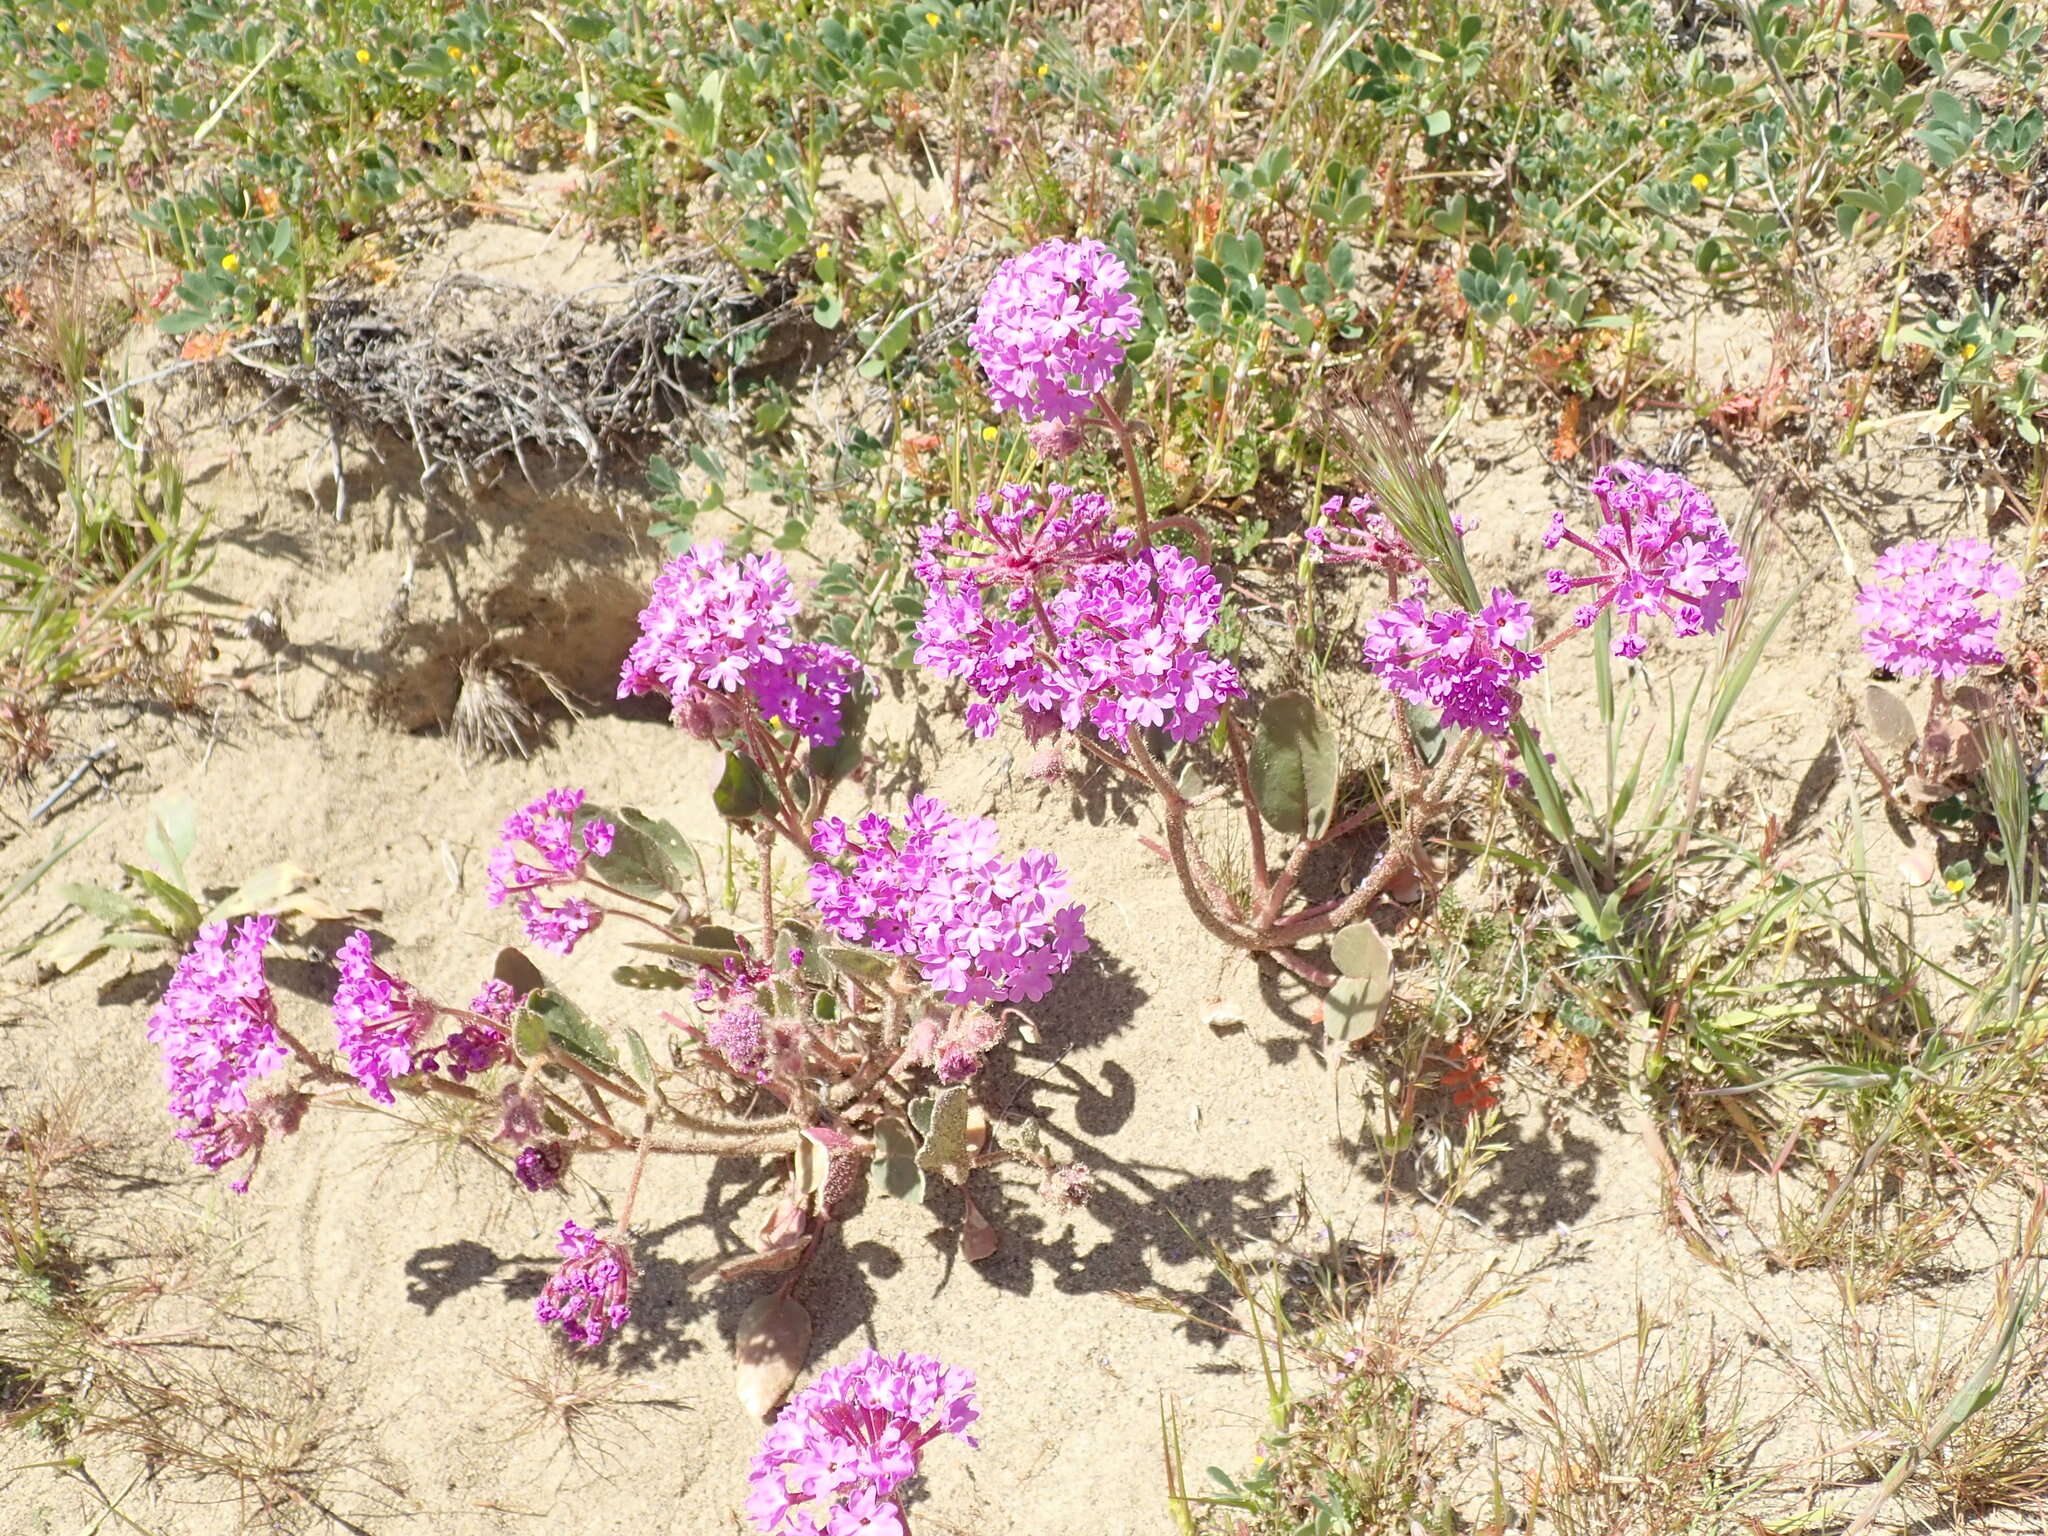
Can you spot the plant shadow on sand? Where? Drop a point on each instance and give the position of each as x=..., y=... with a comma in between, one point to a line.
x=1160, y=1217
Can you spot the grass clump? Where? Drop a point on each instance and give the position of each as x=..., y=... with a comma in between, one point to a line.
x=126, y=1346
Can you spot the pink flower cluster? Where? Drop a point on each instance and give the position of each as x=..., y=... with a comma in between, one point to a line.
x=1052, y=326
x=217, y=1028
x=738, y=1030
x=1468, y=667
x=1663, y=552
x=1013, y=539
x=718, y=628
x=548, y=828
x=980, y=929
x=589, y=1295
x=832, y=1461
x=540, y=1166
x=1116, y=642
x=1351, y=532
x=496, y=1001
x=1923, y=610
x=379, y=1019
x=953, y=1043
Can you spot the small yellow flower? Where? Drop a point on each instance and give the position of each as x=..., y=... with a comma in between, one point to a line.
x=64, y=27
x=771, y=162
x=1955, y=887
x=477, y=71
x=1969, y=350
x=230, y=262
x=1044, y=70
x=989, y=434
x=362, y=55
x=824, y=249
x=455, y=53
x=1699, y=181
x=1215, y=23
x=932, y=17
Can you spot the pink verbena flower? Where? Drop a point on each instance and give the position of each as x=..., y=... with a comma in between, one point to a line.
x=217, y=1029
x=719, y=630
x=1066, y=1186
x=833, y=1459
x=496, y=1001
x=1466, y=666
x=539, y=1167
x=1663, y=551
x=469, y=1050
x=1923, y=610
x=1351, y=532
x=377, y=1018
x=548, y=828
x=729, y=993
x=589, y=1294
x=979, y=928
x=1052, y=326
x=1066, y=623
x=1014, y=538
x=559, y=929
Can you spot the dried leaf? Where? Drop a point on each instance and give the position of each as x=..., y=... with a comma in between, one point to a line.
x=1917, y=867
x=1223, y=1017
x=978, y=1238
x=768, y=1350
x=735, y=1266
x=517, y=972
x=1890, y=717
x=1564, y=446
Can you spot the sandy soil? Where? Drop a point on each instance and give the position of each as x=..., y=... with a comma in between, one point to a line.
x=415, y=1278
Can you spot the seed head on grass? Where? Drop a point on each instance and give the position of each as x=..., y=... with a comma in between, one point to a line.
x=572, y=1397
x=490, y=718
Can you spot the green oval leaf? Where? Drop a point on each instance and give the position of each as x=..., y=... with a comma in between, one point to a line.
x=894, y=1170
x=1351, y=1009
x=1294, y=766
x=529, y=1034
x=831, y=764
x=860, y=964
x=650, y=978
x=649, y=858
x=566, y=1026
x=1360, y=951
x=742, y=791
x=638, y=1061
